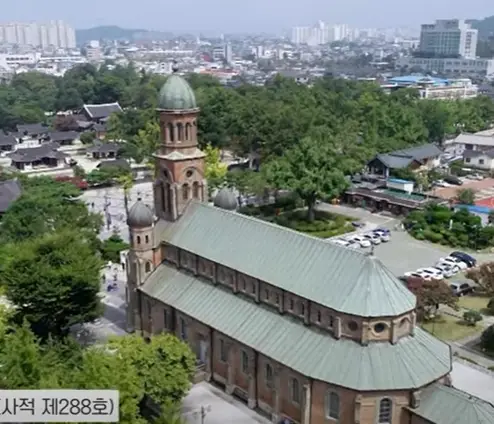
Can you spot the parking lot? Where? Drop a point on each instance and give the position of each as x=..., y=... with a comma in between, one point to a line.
x=402, y=253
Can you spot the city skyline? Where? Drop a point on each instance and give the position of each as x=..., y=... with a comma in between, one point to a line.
x=253, y=16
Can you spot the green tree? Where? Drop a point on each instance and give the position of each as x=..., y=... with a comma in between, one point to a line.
x=487, y=339
x=54, y=282
x=215, y=170
x=87, y=137
x=431, y=294
x=472, y=317
x=465, y=196
x=310, y=169
x=165, y=365
x=47, y=205
x=111, y=248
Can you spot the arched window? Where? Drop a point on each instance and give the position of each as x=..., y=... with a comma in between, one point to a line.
x=295, y=391
x=180, y=132
x=188, y=131
x=138, y=239
x=147, y=267
x=385, y=411
x=195, y=190
x=185, y=192
x=332, y=405
x=168, y=198
x=171, y=133
x=147, y=239
x=269, y=375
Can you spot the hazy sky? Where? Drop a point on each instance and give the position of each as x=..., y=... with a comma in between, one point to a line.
x=241, y=16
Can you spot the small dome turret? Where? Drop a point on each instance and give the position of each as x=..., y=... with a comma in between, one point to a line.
x=176, y=94
x=226, y=199
x=140, y=215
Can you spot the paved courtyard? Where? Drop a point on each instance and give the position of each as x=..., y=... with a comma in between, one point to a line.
x=474, y=380
x=218, y=408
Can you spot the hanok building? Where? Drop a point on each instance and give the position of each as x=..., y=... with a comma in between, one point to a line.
x=100, y=113
x=103, y=151
x=44, y=156
x=296, y=326
x=32, y=131
x=7, y=142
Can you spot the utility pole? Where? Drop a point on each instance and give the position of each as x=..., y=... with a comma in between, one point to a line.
x=107, y=211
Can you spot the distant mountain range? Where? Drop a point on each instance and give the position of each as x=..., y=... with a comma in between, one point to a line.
x=83, y=36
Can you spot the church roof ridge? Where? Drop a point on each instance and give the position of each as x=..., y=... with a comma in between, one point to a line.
x=336, y=277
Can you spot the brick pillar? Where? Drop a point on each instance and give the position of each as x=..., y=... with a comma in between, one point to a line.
x=252, y=400
x=275, y=416
x=358, y=404
x=306, y=404
x=230, y=380
x=209, y=355
x=337, y=327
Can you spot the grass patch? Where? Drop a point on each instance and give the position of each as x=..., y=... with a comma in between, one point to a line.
x=476, y=302
x=448, y=328
x=325, y=224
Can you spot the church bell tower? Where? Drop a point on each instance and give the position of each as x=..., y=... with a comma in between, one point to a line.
x=180, y=165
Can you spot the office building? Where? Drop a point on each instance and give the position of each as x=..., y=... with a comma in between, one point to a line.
x=321, y=33
x=448, y=38
x=54, y=34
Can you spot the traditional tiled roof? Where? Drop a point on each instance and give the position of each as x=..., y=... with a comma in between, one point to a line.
x=403, y=158
x=412, y=362
x=31, y=129
x=114, y=163
x=102, y=110
x=10, y=191
x=7, y=139
x=48, y=150
x=339, y=278
x=440, y=404
x=63, y=135
x=103, y=148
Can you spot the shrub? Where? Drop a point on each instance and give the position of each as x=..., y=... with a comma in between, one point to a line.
x=490, y=306
x=487, y=339
x=432, y=236
x=472, y=317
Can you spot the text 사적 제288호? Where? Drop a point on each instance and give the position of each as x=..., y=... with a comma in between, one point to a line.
x=42, y=406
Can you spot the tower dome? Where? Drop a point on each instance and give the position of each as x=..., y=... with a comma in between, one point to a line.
x=140, y=215
x=176, y=94
x=226, y=199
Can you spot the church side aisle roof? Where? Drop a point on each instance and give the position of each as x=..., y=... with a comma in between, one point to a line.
x=411, y=363
x=446, y=405
x=333, y=276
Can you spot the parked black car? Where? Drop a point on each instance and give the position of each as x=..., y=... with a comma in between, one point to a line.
x=464, y=257
x=451, y=179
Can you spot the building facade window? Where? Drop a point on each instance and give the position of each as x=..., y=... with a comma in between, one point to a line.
x=183, y=329
x=147, y=239
x=138, y=239
x=269, y=375
x=185, y=192
x=385, y=411
x=223, y=351
x=318, y=316
x=195, y=190
x=292, y=305
x=166, y=320
x=245, y=362
x=147, y=267
x=266, y=294
x=295, y=391
x=332, y=406
x=302, y=309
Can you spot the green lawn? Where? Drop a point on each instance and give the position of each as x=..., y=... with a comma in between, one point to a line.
x=476, y=302
x=448, y=328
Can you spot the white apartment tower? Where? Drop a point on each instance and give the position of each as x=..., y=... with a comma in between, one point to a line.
x=449, y=38
x=55, y=34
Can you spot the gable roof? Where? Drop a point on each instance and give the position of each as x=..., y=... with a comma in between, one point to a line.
x=440, y=404
x=103, y=147
x=475, y=139
x=412, y=362
x=477, y=153
x=339, y=278
x=102, y=111
x=10, y=191
x=403, y=158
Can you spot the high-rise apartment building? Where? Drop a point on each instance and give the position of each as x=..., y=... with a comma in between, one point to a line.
x=448, y=38
x=55, y=34
x=321, y=33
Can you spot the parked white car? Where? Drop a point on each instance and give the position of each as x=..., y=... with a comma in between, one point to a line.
x=385, y=236
x=361, y=241
x=435, y=273
x=340, y=242
x=423, y=275
x=441, y=183
x=373, y=238
x=448, y=270
x=450, y=260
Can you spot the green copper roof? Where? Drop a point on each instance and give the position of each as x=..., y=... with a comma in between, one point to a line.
x=342, y=279
x=176, y=94
x=446, y=405
x=411, y=363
